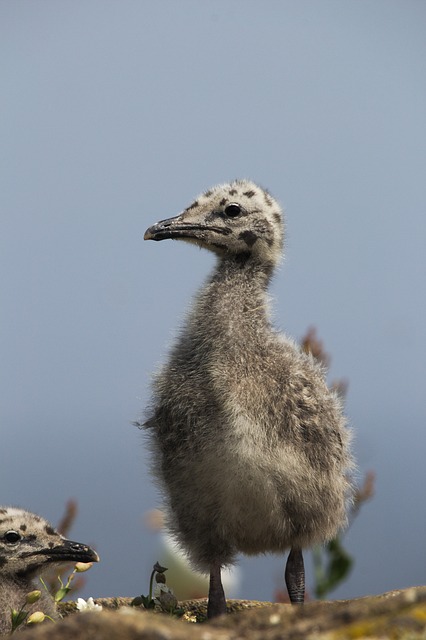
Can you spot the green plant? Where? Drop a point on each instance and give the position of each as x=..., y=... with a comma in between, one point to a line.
x=332, y=563
x=21, y=616
x=162, y=596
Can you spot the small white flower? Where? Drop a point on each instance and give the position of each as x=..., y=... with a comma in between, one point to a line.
x=159, y=589
x=165, y=597
x=89, y=605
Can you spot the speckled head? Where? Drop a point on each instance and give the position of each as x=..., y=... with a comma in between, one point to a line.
x=238, y=218
x=29, y=544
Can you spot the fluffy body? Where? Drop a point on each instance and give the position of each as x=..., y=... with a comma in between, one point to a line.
x=30, y=546
x=250, y=446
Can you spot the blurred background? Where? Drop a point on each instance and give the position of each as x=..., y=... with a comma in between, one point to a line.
x=117, y=113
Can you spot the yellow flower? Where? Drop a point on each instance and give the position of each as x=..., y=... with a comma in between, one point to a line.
x=33, y=596
x=36, y=617
x=81, y=567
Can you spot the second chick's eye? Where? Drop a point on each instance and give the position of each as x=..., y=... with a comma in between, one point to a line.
x=12, y=537
x=233, y=210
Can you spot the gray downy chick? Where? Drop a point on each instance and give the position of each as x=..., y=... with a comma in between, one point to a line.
x=30, y=546
x=249, y=445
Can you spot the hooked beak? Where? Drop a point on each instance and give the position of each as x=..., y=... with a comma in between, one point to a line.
x=177, y=227
x=70, y=551
x=165, y=229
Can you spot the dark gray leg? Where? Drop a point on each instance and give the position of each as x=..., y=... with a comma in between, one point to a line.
x=295, y=576
x=217, y=603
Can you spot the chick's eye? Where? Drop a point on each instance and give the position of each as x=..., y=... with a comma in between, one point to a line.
x=12, y=536
x=233, y=210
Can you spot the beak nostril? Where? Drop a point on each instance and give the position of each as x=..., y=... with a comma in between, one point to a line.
x=168, y=222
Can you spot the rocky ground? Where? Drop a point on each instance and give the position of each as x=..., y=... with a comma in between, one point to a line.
x=400, y=615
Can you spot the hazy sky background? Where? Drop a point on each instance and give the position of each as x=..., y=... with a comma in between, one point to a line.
x=115, y=114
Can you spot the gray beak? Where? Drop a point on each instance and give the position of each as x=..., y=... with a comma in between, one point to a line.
x=70, y=551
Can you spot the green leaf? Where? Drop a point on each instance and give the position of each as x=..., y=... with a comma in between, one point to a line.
x=61, y=593
x=18, y=618
x=147, y=602
x=338, y=564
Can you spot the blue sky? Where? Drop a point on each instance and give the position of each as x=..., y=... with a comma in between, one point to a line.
x=115, y=114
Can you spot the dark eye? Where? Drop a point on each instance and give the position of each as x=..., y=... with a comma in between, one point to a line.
x=233, y=210
x=12, y=536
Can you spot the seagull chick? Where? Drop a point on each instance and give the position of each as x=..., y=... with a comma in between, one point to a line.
x=249, y=444
x=30, y=546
